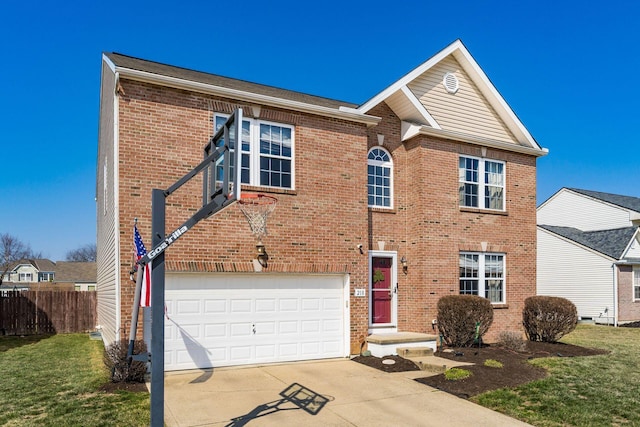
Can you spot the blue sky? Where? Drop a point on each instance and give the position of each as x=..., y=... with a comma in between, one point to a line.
x=567, y=68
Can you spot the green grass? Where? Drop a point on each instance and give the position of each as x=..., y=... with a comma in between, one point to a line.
x=55, y=381
x=455, y=374
x=580, y=391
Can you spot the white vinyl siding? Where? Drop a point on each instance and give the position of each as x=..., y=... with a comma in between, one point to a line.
x=567, y=270
x=107, y=261
x=467, y=111
x=568, y=209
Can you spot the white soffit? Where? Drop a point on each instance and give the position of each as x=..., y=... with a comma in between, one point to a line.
x=475, y=73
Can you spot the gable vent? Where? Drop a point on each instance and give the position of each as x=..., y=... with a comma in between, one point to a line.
x=450, y=82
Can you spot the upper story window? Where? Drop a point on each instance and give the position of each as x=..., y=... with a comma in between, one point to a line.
x=380, y=178
x=25, y=277
x=636, y=283
x=483, y=274
x=266, y=152
x=482, y=183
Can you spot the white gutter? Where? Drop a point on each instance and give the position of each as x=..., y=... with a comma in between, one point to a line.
x=344, y=114
x=410, y=130
x=614, y=267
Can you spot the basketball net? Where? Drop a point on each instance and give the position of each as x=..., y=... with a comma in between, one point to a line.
x=257, y=207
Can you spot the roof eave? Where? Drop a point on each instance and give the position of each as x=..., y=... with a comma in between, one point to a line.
x=475, y=140
x=174, y=82
x=585, y=247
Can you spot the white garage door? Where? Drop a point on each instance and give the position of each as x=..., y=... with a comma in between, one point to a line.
x=230, y=320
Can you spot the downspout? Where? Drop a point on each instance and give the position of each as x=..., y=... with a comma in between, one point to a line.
x=614, y=268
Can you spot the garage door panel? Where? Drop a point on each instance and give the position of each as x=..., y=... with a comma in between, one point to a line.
x=243, y=319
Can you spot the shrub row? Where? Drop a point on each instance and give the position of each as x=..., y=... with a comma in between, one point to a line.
x=464, y=319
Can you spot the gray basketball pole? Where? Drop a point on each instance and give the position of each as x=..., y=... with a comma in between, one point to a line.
x=213, y=202
x=158, y=215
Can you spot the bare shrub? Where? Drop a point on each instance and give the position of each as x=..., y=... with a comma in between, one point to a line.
x=548, y=319
x=115, y=359
x=457, y=318
x=512, y=340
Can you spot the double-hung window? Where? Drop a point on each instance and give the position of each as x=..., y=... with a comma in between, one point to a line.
x=25, y=277
x=482, y=274
x=481, y=183
x=380, y=178
x=266, y=152
x=636, y=283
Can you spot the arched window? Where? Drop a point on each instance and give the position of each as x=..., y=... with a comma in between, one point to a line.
x=380, y=178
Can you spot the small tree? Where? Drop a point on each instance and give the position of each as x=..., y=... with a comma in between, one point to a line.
x=86, y=253
x=458, y=316
x=13, y=250
x=547, y=318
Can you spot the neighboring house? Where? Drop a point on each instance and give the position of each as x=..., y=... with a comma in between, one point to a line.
x=589, y=253
x=30, y=271
x=45, y=274
x=80, y=275
x=435, y=172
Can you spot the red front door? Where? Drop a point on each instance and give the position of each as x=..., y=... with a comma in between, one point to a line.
x=381, y=290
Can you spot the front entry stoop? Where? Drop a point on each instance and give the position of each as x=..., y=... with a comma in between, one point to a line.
x=381, y=345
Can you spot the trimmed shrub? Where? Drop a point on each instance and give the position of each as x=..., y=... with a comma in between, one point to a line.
x=512, y=340
x=548, y=319
x=115, y=359
x=457, y=317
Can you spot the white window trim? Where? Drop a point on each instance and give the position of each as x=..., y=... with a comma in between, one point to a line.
x=481, y=276
x=481, y=184
x=254, y=151
x=635, y=283
x=389, y=165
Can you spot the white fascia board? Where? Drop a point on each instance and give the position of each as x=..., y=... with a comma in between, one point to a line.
x=635, y=237
x=109, y=63
x=344, y=114
x=408, y=78
x=573, y=242
x=418, y=106
x=408, y=130
x=484, y=142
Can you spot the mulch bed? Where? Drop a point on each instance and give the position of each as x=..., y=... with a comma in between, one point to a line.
x=112, y=387
x=515, y=370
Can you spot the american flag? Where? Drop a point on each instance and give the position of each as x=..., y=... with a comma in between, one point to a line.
x=145, y=296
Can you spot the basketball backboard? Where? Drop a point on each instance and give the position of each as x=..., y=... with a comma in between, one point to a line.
x=222, y=175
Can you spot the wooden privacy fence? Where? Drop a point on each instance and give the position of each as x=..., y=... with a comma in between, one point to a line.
x=46, y=312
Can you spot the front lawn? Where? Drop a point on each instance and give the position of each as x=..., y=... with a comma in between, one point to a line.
x=56, y=381
x=580, y=391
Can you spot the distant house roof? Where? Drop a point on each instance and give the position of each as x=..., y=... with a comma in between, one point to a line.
x=627, y=202
x=41, y=264
x=608, y=242
x=76, y=272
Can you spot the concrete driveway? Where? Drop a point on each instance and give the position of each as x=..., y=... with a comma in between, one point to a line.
x=320, y=393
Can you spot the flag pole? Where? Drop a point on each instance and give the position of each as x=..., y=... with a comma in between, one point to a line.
x=136, y=307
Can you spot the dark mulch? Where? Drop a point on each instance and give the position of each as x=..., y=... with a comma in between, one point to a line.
x=631, y=325
x=515, y=370
x=112, y=387
x=400, y=364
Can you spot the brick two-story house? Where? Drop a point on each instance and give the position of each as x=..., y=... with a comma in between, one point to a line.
x=427, y=189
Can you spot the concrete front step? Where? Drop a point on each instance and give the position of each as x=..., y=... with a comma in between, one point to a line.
x=381, y=345
x=409, y=352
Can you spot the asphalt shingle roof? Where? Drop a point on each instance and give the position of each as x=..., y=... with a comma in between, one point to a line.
x=130, y=62
x=628, y=202
x=67, y=271
x=608, y=242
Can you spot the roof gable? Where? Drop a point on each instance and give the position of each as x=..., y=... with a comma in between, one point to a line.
x=425, y=85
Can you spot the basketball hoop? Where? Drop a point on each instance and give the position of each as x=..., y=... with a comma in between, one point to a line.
x=257, y=207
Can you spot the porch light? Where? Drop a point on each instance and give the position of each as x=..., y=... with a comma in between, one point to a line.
x=263, y=256
x=403, y=261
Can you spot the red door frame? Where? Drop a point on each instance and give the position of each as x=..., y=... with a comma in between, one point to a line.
x=382, y=289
